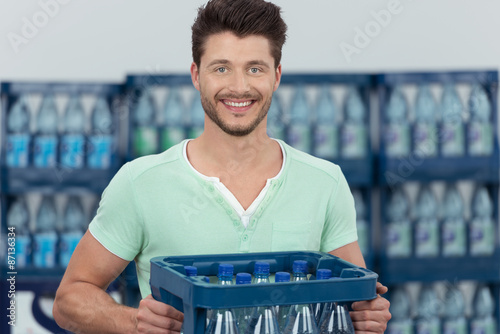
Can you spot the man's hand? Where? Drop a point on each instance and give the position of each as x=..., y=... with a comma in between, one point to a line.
x=371, y=316
x=157, y=317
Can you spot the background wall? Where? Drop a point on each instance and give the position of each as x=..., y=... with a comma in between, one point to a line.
x=103, y=40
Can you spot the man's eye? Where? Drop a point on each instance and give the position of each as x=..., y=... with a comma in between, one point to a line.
x=221, y=69
x=254, y=70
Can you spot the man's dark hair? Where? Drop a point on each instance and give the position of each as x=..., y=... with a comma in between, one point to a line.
x=243, y=18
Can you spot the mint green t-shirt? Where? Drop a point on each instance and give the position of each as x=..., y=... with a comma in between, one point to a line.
x=159, y=206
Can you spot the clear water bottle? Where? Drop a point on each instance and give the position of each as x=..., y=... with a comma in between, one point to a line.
x=243, y=314
x=361, y=222
x=399, y=229
x=18, y=218
x=482, y=227
x=427, y=320
x=223, y=321
x=454, y=321
x=483, y=320
x=453, y=228
x=261, y=272
x=401, y=322
x=145, y=133
x=335, y=319
x=46, y=141
x=326, y=133
x=426, y=224
x=299, y=122
x=452, y=127
x=101, y=142
x=425, y=130
x=282, y=310
x=480, y=127
x=317, y=308
x=73, y=140
x=18, y=134
x=173, y=131
x=354, y=131
x=45, y=237
x=196, y=117
x=275, y=122
x=73, y=229
x=397, y=129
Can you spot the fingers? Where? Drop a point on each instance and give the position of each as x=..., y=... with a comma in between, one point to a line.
x=370, y=316
x=157, y=317
x=381, y=289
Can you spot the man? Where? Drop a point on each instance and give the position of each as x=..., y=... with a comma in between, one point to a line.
x=232, y=189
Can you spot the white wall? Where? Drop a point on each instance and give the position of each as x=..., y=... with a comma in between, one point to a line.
x=104, y=40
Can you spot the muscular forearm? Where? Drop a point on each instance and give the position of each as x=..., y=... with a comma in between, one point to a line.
x=84, y=308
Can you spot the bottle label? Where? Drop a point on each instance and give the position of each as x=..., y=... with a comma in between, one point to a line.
x=426, y=238
x=452, y=139
x=100, y=151
x=354, y=141
x=428, y=326
x=145, y=141
x=299, y=137
x=69, y=241
x=397, y=140
x=44, y=254
x=480, y=139
x=171, y=136
x=425, y=140
x=482, y=237
x=454, y=238
x=399, y=239
x=45, y=151
x=18, y=150
x=326, y=141
x=483, y=326
x=400, y=327
x=23, y=251
x=72, y=151
x=455, y=326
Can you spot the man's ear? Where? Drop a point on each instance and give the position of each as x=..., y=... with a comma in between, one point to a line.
x=278, y=77
x=195, y=76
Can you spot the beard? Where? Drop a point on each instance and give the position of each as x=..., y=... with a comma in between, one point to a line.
x=235, y=130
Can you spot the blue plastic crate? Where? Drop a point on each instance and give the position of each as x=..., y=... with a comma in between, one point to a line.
x=194, y=296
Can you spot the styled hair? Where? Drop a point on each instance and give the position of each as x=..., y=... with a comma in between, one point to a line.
x=242, y=18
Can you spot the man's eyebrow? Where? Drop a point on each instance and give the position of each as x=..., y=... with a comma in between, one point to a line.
x=218, y=62
x=258, y=62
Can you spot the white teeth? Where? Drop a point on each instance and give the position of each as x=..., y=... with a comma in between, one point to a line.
x=236, y=104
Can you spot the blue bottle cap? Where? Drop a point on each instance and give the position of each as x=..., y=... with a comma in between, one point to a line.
x=206, y=279
x=323, y=274
x=226, y=269
x=261, y=267
x=282, y=276
x=191, y=271
x=299, y=266
x=243, y=278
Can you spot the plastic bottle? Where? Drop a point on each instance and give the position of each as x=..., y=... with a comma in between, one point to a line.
x=196, y=117
x=354, y=131
x=275, y=122
x=173, y=131
x=317, y=308
x=326, y=133
x=145, y=133
x=261, y=272
x=73, y=140
x=45, y=141
x=335, y=319
x=18, y=134
x=425, y=130
x=397, y=129
x=426, y=224
x=454, y=321
x=480, y=127
x=101, y=141
x=73, y=229
x=45, y=237
x=483, y=320
x=482, y=227
x=361, y=222
x=401, y=322
x=282, y=310
x=299, y=123
x=223, y=321
x=18, y=223
x=452, y=128
x=427, y=320
x=399, y=229
x=453, y=228
x=243, y=314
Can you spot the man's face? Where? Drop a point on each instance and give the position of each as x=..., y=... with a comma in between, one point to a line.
x=236, y=80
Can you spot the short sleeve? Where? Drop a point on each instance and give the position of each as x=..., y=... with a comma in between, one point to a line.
x=118, y=225
x=340, y=225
